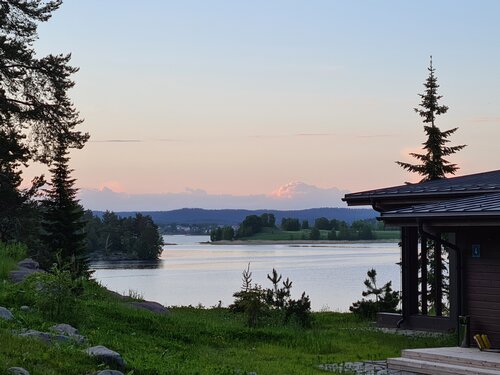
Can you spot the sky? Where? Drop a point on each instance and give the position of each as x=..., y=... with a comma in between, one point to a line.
x=250, y=98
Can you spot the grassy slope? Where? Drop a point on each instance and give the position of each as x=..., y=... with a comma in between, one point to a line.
x=269, y=234
x=191, y=341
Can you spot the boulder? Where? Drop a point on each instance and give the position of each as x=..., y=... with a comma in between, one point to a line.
x=5, y=314
x=65, y=329
x=155, y=307
x=69, y=331
x=29, y=263
x=24, y=308
x=106, y=355
x=45, y=336
x=109, y=372
x=18, y=371
x=19, y=275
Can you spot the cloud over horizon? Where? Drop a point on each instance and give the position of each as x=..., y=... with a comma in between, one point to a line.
x=291, y=196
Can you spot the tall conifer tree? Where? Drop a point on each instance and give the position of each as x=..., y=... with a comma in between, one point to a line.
x=433, y=165
x=63, y=223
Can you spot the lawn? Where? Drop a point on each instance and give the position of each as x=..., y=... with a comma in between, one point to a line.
x=186, y=340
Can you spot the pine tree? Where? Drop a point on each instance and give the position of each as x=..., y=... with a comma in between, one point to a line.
x=63, y=224
x=433, y=165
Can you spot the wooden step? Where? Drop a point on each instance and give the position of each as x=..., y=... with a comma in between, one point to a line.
x=470, y=357
x=436, y=368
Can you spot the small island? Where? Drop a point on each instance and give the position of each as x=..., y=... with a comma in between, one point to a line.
x=263, y=229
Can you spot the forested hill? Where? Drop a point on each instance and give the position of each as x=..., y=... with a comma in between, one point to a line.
x=236, y=216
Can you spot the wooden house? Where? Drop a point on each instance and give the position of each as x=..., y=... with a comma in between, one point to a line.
x=461, y=217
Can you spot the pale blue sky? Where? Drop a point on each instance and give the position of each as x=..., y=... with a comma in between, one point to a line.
x=240, y=97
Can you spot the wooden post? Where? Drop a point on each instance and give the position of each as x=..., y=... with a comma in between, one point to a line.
x=438, y=276
x=423, y=272
x=410, y=270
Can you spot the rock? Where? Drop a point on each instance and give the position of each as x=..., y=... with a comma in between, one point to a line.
x=25, y=268
x=18, y=371
x=24, y=308
x=45, y=336
x=155, y=307
x=69, y=331
x=109, y=372
x=5, y=314
x=106, y=355
x=19, y=275
x=65, y=329
x=29, y=263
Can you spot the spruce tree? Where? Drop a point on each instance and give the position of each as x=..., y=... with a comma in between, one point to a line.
x=64, y=235
x=433, y=165
x=18, y=211
x=34, y=90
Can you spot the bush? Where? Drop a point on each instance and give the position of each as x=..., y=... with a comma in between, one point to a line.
x=258, y=303
x=54, y=294
x=315, y=234
x=386, y=299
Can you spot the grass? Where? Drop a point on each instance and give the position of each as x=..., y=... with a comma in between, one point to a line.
x=10, y=254
x=191, y=340
x=274, y=234
x=186, y=341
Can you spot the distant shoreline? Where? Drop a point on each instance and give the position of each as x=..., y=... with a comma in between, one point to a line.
x=296, y=242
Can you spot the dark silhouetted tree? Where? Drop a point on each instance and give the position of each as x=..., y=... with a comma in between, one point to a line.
x=432, y=164
x=33, y=90
x=18, y=211
x=63, y=224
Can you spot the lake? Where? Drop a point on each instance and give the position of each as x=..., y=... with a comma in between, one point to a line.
x=192, y=273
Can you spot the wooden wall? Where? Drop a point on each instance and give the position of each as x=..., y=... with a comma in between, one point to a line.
x=482, y=280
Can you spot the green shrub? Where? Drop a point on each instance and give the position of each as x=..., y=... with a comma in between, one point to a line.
x=386, y=299
x=55, y=295
x=258, y=303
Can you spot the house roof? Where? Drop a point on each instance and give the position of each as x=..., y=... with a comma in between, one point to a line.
x=454, y=187
x=475, y=206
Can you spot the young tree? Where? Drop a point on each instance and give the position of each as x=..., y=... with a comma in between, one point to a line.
x=64, y=234
x=433, y=164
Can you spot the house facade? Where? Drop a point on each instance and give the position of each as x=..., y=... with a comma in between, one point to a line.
x=457, y=220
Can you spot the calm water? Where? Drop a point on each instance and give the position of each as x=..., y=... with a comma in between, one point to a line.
x=190, y=273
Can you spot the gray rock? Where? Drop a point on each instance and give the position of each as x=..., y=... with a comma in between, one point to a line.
x=65, y=329
x=19, y=275
x=18, y=371
x=24, y=308
x=29, y=263
x=109, y=372
x=5, y=314
x=106, y=355
x=69, y=331
x=45, y=336
x=155, y=307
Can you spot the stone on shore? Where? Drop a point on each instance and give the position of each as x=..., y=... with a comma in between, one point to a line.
x=45, y=336
x=155, y=307
x=18, y=371
x=106, y=355
x=26, y=267
x=5, y=314
x=69, y=331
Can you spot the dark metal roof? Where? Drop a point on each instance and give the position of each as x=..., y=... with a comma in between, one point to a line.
x=487, y=182
x=478, y=205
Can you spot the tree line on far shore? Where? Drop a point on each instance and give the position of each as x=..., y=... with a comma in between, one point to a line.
x=337, y=229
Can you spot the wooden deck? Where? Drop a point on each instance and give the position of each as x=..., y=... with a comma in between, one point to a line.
x=454, y=360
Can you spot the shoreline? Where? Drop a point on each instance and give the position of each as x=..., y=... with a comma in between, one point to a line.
x=297, y=242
